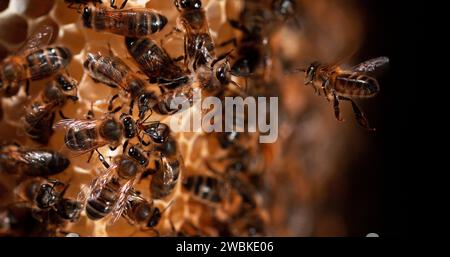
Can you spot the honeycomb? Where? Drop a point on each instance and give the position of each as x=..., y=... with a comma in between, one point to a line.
x=295, y=173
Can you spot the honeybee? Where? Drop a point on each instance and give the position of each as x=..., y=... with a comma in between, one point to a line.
x=71, y=3
x=138, y=211
x=286, y=9
x=164, y=102
x=17, y=219
x=15, y=159
x=40, y=115
x=32, y=62
x=79, y=3
x=157, y=131
x=205, y=188
x=109, y=192
x=135, y=22
x=253, y=50
x=113, y=72
x=338, y=84
x=168, y=168
x=216, y=76
x=47, y=196
x=87, y=135
x=156, y=63
x=198, y=43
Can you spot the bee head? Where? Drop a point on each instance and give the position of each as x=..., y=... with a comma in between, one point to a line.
x=154, y=219
x=66, y=83
x=145, y=103
x=188, y=4
x=87, y=17
x=46, y=196
x=223, y=73
x=311, y=73
x=158, y=132
x=130, y=42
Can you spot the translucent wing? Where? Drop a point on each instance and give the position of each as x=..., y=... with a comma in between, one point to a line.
x=74, y=124
x=41, y=36
x=104, y=178
x=122, y=200
x=371, y=65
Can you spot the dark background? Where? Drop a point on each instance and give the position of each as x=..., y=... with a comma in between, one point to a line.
x=379, y=180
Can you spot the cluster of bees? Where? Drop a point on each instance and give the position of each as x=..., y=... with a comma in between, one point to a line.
x=148, y=148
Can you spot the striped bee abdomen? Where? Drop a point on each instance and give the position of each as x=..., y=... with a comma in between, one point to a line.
x=46, y=62
x=356, y=85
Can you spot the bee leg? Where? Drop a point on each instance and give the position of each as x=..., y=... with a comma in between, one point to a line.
x=237, y=25
x=110, y=103
x=359, y=115
x=337, y=111
x=130, y=111
x=90, y=114
x=123, y=4
x=229, y=41
x=90, y=156
x=146, y=174
x=27, y=88
x=102, y=159
x=61, y=114
x=178, y=59
x=112, y=4
x=124, y=146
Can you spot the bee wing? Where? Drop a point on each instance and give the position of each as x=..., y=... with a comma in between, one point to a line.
x=121, y=203
x=101, y=180
x=371, y=65
x=75, y=124
x=117, y=15
x=41, y=36
x=83, y=195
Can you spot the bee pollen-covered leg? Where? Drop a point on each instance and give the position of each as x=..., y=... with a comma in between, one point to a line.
x=359, y=115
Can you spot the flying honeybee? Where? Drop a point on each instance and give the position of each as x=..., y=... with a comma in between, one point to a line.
x=113, y=72
x=339, y=84
x=134, y=22
x=15, y=159
x=156, y=63
x=32, y=61
x=39, y=117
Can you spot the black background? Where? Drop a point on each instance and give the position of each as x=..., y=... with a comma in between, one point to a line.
x=379, y=180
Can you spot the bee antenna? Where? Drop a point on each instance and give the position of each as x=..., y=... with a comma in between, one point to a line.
x=296, y=71
x=235, y=84
x=168, y=206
